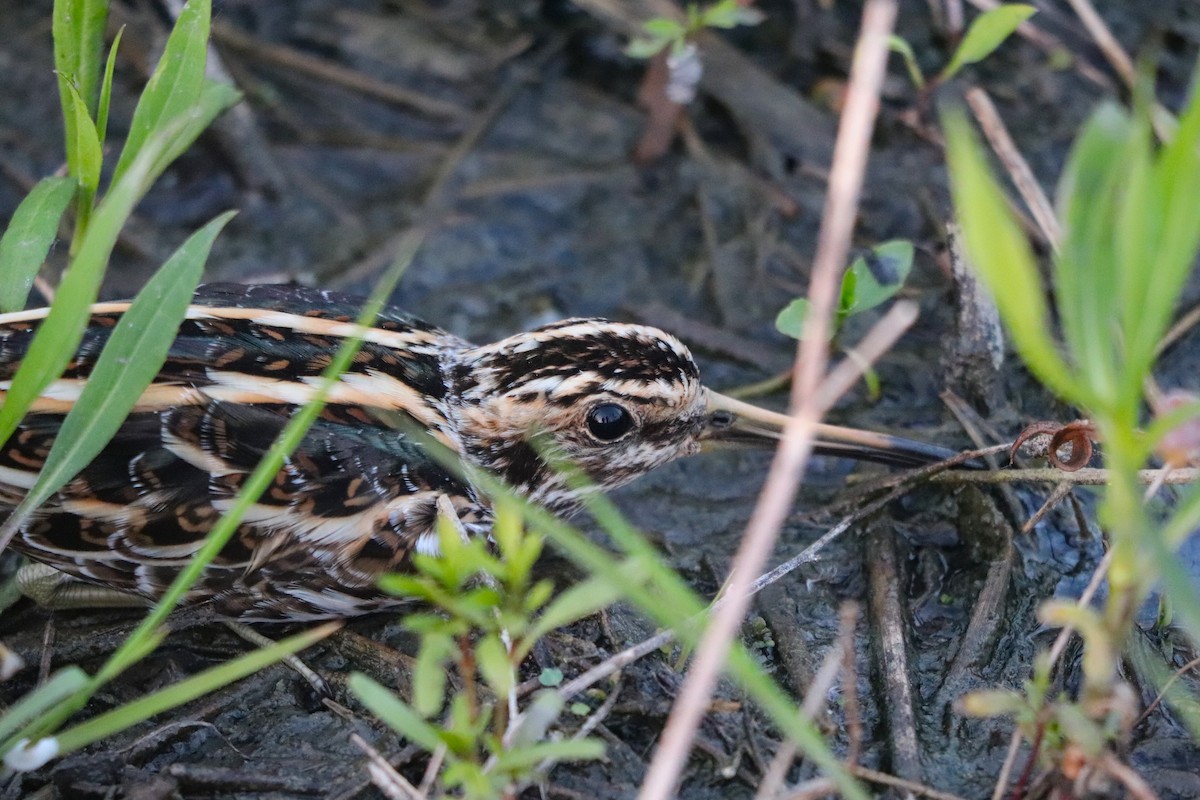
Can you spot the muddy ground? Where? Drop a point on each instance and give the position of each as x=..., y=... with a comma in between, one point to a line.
x=352, y=110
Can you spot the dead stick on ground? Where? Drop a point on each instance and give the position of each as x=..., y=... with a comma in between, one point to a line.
x=1089, y=476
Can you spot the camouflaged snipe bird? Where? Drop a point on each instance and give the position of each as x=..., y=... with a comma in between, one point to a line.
x=360, y=493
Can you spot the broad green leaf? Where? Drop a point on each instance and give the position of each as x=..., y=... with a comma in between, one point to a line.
x=394, y=712
x=189, y=689
x=579, y=601
x=132, y=357
x=790, y=321
x=429, y=673
x=663, y=28
x=1004, y=259
x=881, y=280
x=78, y=29
x=60, y=332
x=901, y=46
x=528, y=757
x=986, y=33
x=87, y=149
x=497, y=670
x=175, y=84
x=106, y=88
x=25, y=243
x=730, y=14
x=62, y=684
x=643, y=47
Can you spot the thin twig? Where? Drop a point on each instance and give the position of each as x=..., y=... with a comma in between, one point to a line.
x=1104, y=39
x=1089, y=476
x=384, y=776
x=849, y=165
x=1163, y=121
x=322, y=69
x=1018, y=169
x=875, y=776
x=1010, y=760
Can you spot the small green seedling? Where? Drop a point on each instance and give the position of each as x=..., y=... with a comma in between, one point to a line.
x=490, y=612
x=874, y=277
x=662, y=32
x=989, y=30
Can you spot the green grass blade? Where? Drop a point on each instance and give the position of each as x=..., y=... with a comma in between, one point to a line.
x=60, y=333
x=987, y=32
x=62, y=683
x=1087, y=276
x=130, y=360
x=1000, y=252
x=175, y=85
x=88, y=154
x=187, y=690
x=78, y=29
x=106, y=87
x=394, y=712
x=27, y=240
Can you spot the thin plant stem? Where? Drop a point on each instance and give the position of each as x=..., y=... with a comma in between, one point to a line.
x=849, y=166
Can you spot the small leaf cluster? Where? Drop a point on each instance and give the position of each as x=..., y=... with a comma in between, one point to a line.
x=987, y=32
x=661, y=33
x=488, y=613
x=873, y=278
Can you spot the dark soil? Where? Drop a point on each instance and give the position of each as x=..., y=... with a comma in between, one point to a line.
x=550, y=218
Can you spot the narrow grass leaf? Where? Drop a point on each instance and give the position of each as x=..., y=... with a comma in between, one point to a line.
x=175, y=83
x=901, y=46
x=25, y=243
x=187, y=690
x=78, y=30
x=1087, y=278
x=494, y=665
x=87, y=145
x=61, y=684
x=106, y=87
x=213, y=100
x=60, y=332
x=1000, y=252
x=429, y=673
x=986, y=33
x=1177, y=173
x=526, y=758
x=579, y=601
x=132, y=357
x=394, y=712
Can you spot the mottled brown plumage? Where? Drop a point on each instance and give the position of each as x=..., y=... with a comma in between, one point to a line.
x=360, y=494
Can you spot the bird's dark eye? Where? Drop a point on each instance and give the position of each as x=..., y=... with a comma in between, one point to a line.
x=609, y=422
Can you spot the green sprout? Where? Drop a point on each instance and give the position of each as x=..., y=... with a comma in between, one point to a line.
x=662, y=32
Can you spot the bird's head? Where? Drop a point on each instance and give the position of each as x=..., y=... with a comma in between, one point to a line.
x=616, y=400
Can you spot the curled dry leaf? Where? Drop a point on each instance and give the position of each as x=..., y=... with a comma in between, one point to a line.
x=1080, y=435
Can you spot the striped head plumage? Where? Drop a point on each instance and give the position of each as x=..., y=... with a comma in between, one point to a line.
x=362, y=491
